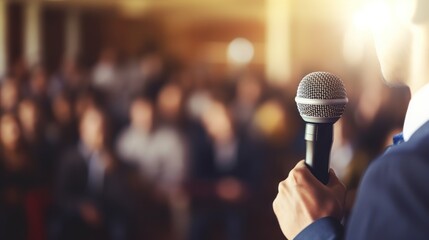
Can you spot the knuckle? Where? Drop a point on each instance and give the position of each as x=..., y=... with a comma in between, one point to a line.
x=282, y=186
x=274, y=204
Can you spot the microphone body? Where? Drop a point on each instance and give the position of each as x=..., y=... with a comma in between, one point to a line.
x=321, y=100
x=318, y=149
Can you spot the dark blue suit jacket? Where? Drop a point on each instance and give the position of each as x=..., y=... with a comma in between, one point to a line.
x=393, y=198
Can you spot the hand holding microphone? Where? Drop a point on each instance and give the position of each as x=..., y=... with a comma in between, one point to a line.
x=303, y=199
x=311, y=191
x=321, y=100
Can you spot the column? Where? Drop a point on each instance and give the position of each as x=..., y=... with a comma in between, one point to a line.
x=72, y=33
x=3, y=38
x=278, y=63
x=32, y=32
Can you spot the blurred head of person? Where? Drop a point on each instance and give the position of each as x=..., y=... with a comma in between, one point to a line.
x=30, y=119
x=38, y=81
x=94, y=129
x=10, y=132
x=9, y=94
x=87, y=98
x=71, y=72
x=141, y=114
x=217, y=122
x=62, y=109
x=169, y=102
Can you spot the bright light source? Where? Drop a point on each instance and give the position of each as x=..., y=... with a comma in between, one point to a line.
x=134, y=8
x=405, y=9
x=354, y=44
x=240, y=51
x=375, y=15
x=382, y=19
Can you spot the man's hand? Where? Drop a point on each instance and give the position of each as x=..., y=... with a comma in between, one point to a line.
x=302, y=199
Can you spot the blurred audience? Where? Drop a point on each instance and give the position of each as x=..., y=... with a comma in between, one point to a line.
x=148, y=148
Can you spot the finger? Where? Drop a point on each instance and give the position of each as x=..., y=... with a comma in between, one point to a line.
x=301, y=176
x=301, y=164
x=295, y=174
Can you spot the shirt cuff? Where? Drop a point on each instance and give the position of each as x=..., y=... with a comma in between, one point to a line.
x=327, y=228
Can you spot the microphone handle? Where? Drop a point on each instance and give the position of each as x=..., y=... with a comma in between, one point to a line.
x=319, y=142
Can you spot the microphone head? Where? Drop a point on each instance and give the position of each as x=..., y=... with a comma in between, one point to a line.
x=321, y=98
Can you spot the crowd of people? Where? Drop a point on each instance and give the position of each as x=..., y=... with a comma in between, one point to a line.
x=151, y=149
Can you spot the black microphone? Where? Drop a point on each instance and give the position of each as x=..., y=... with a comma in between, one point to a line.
x=321, y=99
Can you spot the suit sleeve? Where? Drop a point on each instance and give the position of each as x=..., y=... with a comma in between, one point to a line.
x=327, y=228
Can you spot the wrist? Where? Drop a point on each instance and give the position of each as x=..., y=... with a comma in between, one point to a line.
x=322, y=229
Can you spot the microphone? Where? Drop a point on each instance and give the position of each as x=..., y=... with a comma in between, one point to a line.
x=321, y=100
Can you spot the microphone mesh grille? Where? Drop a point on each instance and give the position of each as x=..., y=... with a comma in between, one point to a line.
x=321, y=85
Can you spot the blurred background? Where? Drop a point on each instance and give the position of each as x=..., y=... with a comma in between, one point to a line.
x=175, y=119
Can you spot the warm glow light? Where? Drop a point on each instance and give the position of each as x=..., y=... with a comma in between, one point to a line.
x=240, y=51
x=379, y=17
x=134, y=8
x=375, y=15
x=354, y=44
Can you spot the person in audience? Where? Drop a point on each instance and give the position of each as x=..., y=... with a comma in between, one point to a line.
x=154, y=73
x=68, y=79
x=170, y=149
x=38, y=87
x=17, y=177
x=62, y=131
x=134, y=142
x=247, y=98
x=91, y=191
x=223, y=173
